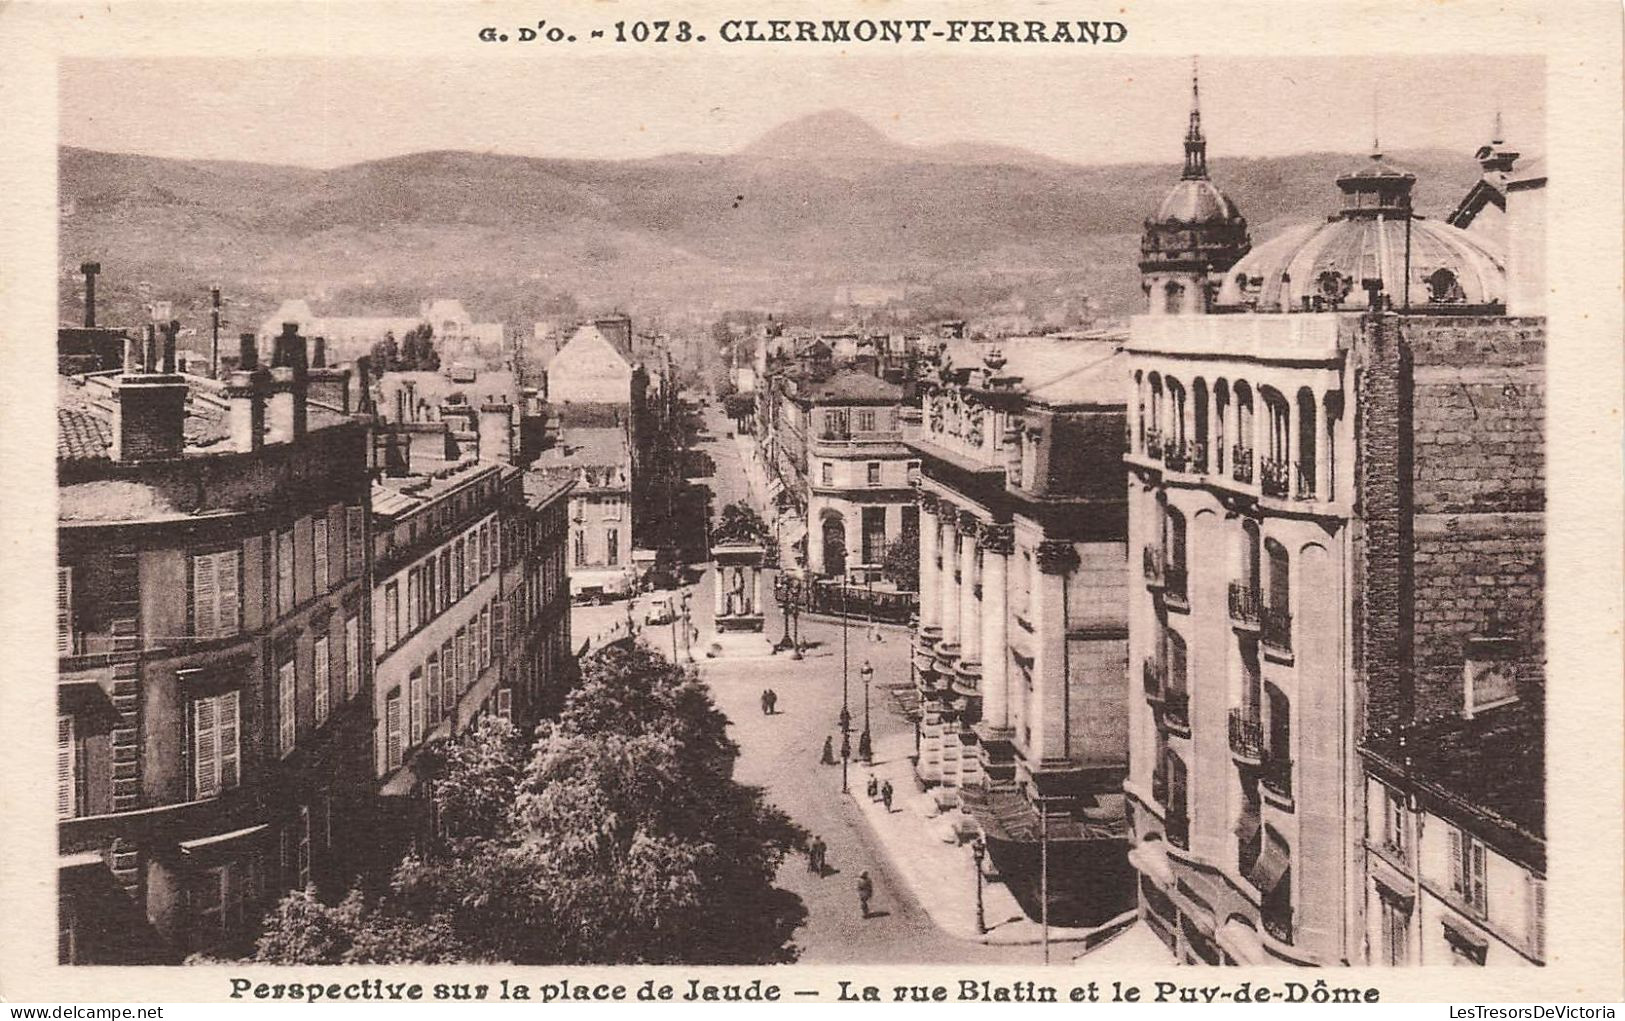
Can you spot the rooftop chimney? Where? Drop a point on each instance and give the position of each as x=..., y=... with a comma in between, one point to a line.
x=286, y=412
x=496, y=432
x=318, y=356
x=149, y=414
x=90, y=269
x=245, y=396
x=248, y=352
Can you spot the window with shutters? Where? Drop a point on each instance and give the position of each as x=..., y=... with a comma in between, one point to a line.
x=414, y=688
x=432, y=670
x=304, y=846
x=485, y=550
x=67, y=769
x=323, y=680
x=284, y=572
x=392, y=614
x=65, y=639
x=392, y=730
x=1467, y=871
x=471, y=654
x=431, y=597
x=318, y=543
x=446, y=583
x=287, y=700
x=448, y=676
x=499, y=635
x=485, y=636
x=214, y=744
x=457, y=570
x=580, y=544
x=352, y=655
x=215, y=581
x=354, y=540
x=496, y=546
x=412, y=582
x=612, y=546
x=471, y=561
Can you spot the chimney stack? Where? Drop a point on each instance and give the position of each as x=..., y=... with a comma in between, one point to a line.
x=496, y=432
x=245, y=396
x=149, y=413
x=286, y=411
x=318, y=357
x=248, y=352
x=90, y=270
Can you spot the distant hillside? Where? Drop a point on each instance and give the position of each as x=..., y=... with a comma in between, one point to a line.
x=820, y=206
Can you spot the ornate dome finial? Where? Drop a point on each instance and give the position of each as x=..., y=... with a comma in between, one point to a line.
x=1195, y=143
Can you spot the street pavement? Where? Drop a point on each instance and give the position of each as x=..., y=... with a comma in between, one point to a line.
x=923, y=908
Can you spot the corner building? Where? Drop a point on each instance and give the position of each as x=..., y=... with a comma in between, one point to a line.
x=1276, y=610
x=213, y=729
x=1020, y=657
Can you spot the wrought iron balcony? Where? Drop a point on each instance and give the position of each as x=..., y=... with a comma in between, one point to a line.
x=1306, y=480
x=1153, y=443
x=1177, y=827
x=1276, y=626
x=1276, y=777
x=1155, y=677
x=1173, y=455
x=1278, y=924
x=1241, y=463
x=1274, y=477
x=1174, y=583
x=1197, y=454
x=1152, y=560
x=1176, y=710
x=1244, y=605
x=1246, y=735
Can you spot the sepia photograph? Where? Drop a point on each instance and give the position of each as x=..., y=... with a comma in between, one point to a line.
x=888, y=508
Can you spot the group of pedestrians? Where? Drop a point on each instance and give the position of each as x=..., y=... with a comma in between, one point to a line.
x=770, y=701
x=818, y=864
x=880, y=791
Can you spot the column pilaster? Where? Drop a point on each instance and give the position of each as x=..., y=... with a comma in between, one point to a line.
x=994, y=730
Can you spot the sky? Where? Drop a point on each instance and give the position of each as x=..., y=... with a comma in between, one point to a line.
x=322, y=112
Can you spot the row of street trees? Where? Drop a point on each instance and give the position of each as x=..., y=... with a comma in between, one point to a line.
x=414, y=352
x=619, y=837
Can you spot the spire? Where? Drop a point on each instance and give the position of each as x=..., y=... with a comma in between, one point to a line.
x=1195, y=143
x=1498, y=137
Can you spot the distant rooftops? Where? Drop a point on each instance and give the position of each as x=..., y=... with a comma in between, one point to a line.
x=849, y=386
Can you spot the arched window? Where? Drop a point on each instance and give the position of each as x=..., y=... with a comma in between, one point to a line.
x=1276, y=615
x=1198, y=450
x=1221, y=414
x=1305, y=468
x=1444, y=287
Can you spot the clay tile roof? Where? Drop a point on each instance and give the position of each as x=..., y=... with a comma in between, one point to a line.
x=81, y=435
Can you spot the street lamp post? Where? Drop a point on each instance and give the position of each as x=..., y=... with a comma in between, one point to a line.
x=978, y=851
x=865, y=747
x=846, y=747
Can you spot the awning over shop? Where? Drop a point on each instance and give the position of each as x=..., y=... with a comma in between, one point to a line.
x=221, y=844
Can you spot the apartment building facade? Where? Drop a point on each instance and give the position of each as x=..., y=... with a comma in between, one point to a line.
x=1020, y=659
x=213, y=623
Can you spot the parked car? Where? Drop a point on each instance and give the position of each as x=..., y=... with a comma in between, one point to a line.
x=660, y=612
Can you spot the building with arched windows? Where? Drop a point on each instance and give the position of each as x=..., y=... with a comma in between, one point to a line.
x=1335, y=501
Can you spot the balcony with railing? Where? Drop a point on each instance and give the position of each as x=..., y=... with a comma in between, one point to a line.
x=1153, y=444
x=1159, y=786
x=1152, y=561
x=1176, y=711
x=1174, y=579
x=1241, y=464
x=1276, y=780
x=1277, y=923
x=1177, y=826
x=1173, y=455
x=1243, y=606
x=1274, y=477
x=1154, y=676
x=1275, y=626
x=1246, y=736
x=1306, y=480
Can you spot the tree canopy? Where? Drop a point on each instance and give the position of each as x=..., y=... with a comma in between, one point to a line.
x=739, y=522
x=620, y=837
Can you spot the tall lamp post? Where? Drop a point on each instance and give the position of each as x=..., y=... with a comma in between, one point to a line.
x=978, y=852
x=865, y=747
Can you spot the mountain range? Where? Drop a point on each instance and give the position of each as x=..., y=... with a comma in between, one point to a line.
x=817, y=211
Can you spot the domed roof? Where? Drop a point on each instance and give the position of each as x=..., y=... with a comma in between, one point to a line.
x=1196, y=200
x=1329, y=264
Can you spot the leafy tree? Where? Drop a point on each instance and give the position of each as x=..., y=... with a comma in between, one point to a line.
x=417, y=349
x=623, y=839
x=739, y=407
x=740, y=523
x=386, y=354
x=901, y=560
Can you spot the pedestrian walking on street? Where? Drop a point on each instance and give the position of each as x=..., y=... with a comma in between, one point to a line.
x=821, y=853
x=766, y=708
x=812, y=855
x=866, y=891
x=772, y=702
x=874, y=787
x=885, y=794
x=829, y=752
